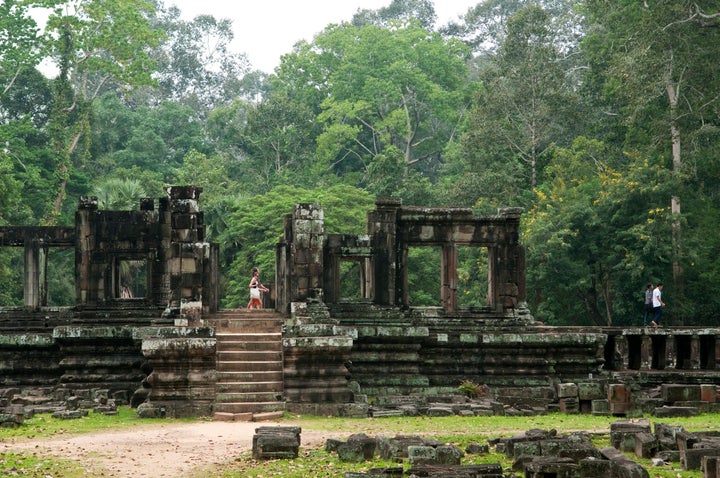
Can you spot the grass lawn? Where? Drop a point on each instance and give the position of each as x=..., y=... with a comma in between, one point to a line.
x=316, y=462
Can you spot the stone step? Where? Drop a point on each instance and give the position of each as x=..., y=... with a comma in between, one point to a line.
x=232, y=376
x=239, y=337
x=225, y=345
x=251, y=407
x=253, y=325
x=245, y=387
x=249, y=363
x=248, y=397
x=247, y=366
x=250, y=355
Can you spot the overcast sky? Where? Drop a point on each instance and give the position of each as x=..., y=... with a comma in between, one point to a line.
x=266, y=29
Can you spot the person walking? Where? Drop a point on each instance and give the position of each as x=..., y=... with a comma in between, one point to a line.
x=256, y=290
x=658, y=305
x=648, y=304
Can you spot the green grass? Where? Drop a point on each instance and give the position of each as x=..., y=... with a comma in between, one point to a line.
x=460, y=431
x=43, y=425
x=315, y=461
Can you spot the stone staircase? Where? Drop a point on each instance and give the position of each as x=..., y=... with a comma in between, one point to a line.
x=249, y=365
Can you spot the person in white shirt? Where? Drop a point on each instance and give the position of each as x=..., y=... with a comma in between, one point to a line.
x=658, y=305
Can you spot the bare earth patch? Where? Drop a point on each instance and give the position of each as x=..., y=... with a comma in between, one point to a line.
x=172, y=450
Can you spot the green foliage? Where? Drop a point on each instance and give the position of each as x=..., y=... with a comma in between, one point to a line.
x=119, y=194
x=255, y=225
x=595, y=237
x=591, y=115
x=472, y=390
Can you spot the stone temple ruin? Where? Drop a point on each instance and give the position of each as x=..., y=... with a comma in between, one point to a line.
x=169, y=349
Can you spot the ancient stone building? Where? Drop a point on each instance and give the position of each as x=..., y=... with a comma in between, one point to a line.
x=314, y=351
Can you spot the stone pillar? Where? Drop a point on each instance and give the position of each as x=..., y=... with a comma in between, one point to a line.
x=622, y=353
x=88, y=282
x=305, y=265
x=35, y=287
x=695, y=352
x=382, y=228
x=646, y=352
x=508, y=264
x=185, y=251
x=716, y=352
x=671, y=352
x=448, y=272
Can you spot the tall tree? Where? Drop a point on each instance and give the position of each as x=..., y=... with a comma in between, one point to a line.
x=526, y=106
x=591, y=236
x=195, y=64
x=100, y=44
x=398, y=87
x=21, y=45
x=403, y=11
x=661, y=59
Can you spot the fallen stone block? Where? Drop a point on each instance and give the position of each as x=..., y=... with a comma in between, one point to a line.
x=646, y=445
x=623, y=433
x=449, y=455
x=621, y=466
x=454, y=471
x=691, y=459
x=422, y=455
x=396, y=449
x=672, y=393
x=540, y=467
x=373, y=473
x=276, y=442
x=674, y=412
x=594, y=468
x=710, y=465
x=358, y=448
x=70, y=414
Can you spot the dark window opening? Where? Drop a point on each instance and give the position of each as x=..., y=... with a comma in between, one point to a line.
x=634, y=351
x=683, y=350
x=659, y=346
x=707, y=352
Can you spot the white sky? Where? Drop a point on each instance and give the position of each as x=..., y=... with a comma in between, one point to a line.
x=266, y=29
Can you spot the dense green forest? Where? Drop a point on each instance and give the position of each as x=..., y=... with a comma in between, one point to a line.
x=601, y=118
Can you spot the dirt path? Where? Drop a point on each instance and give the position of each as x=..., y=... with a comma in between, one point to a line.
x=172, y=450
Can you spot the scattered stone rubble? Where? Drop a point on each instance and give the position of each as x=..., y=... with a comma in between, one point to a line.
x=540, y=454
x=594, y=397
x=17, y=405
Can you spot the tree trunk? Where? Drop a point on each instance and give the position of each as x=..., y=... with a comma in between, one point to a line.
x=672, y=90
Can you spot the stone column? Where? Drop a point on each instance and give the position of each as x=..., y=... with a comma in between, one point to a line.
x=671, y=352
x=695, y=352
x=507, y=262
x=646, y=352
x=35, y=289
x=382, y=228
x=622, y=353
x=187, y=253
x=89, y=281
x=448, y=271
x=305, y=264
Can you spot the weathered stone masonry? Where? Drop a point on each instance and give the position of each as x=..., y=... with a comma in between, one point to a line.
x=335, y=352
